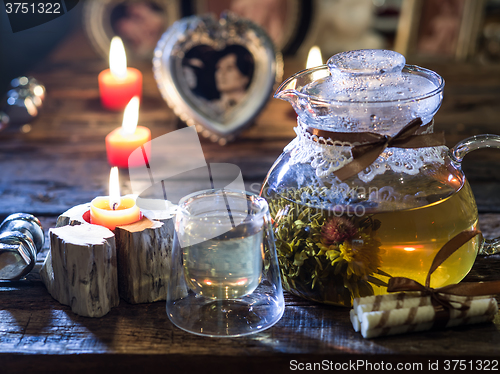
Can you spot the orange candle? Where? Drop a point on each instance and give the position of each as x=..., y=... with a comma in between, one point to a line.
x=121, y=142
x=113, y=210
x=118, y=84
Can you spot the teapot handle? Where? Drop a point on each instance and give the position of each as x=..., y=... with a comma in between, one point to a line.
x=457, y=154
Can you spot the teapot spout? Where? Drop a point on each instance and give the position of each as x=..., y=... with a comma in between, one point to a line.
x=291, y=90
x=287, y=91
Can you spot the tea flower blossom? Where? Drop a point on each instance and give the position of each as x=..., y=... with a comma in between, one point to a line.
x=337, y=230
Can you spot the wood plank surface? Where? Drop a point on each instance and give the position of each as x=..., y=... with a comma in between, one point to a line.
x=61, y=163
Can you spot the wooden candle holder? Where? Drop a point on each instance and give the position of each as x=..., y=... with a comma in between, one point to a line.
x=142, y=249
x=80, y=269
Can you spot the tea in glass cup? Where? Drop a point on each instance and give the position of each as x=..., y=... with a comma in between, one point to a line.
x=228, y=265
x=224, y=278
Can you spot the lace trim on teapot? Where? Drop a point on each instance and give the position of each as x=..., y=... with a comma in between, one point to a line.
x=326, y=156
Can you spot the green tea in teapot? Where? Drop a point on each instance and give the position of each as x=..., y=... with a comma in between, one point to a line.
x=331, y=257
x=411, y=238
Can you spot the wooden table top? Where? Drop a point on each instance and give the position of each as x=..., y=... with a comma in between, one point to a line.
x=61, y=162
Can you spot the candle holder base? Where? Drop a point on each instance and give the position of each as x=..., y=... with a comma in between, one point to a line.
x=141, y=250
x=80, y=269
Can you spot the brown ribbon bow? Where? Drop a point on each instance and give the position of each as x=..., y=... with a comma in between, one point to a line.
x=398, y=284
x=374, y=144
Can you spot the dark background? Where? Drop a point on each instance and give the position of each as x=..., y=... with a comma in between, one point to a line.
x=21, y=51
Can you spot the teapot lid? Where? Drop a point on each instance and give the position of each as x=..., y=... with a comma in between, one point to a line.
x=371, y=76
x=365, y=90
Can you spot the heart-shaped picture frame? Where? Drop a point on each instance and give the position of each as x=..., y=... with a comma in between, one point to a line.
x=216, y=75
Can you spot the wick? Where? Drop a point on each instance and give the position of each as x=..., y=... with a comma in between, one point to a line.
x=115, y=205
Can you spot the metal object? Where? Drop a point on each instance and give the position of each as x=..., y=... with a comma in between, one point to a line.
x=21, y=238
x=23, y=102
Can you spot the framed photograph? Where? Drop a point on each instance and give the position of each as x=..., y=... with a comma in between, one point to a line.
x=140, y=24
x=216, y=74
x=439, y=28
x=289, y=23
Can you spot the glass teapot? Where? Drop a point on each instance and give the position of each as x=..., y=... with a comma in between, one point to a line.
x=367, y=190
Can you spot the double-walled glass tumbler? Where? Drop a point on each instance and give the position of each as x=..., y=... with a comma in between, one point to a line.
x=225, y=278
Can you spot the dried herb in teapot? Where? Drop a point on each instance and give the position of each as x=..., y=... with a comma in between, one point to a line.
x=323, y=256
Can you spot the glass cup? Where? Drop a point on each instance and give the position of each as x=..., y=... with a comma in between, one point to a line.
x=224, y=279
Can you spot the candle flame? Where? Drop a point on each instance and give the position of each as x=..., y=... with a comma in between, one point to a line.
x=130, y=116
x=114, y=189
x=117, y=58
x=314, y=57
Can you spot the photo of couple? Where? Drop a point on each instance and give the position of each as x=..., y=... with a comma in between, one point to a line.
x=218, y=79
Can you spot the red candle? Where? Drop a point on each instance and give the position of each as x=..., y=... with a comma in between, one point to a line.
x=114, y=210
x=119, y=84
x=121, y=142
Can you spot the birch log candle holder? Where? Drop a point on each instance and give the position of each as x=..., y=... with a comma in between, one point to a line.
x=80, y=269
x=142, y=251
